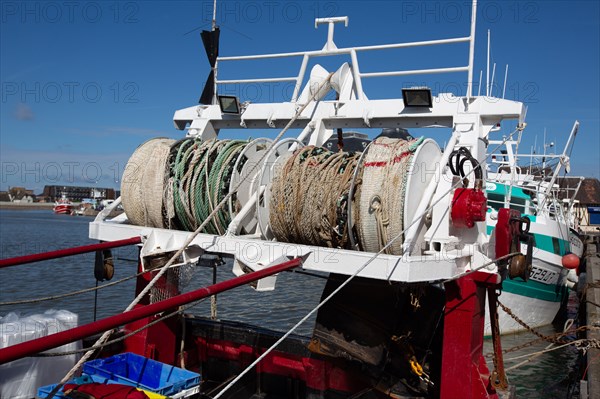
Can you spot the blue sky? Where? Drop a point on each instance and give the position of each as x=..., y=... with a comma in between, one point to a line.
x=85, y=82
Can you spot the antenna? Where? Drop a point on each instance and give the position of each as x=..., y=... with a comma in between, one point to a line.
x=492, y=82
x=505, y=78
x=214, y=19
x=479, y=86
x=487, y=78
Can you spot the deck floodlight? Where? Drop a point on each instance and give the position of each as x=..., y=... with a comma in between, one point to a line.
x=229, y=104
x=417, y=97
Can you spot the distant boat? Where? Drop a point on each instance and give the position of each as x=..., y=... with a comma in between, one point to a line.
x=63, y=206
x=538, y=299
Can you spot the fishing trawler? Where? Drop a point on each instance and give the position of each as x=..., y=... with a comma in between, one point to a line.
x=400, y=235
x=515, y=182
x=63, y=206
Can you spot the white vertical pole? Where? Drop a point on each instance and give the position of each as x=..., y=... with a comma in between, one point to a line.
x=356, y=73
x=300, y=78
x=214, y=25
x=479, y=85
x=471, y=49
x=505, y=79
x=492, y=81
x=487, y=78
x=214, y=20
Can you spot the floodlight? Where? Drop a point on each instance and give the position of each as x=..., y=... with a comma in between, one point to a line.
x=229, y=104
x=417, y=97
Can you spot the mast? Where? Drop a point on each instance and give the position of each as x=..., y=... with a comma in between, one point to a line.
x=505, y=79
x=471, y=49
x=210, y=40
x=487, y=78
x=214, y=68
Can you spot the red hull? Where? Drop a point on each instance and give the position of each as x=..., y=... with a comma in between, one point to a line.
x=64, y=209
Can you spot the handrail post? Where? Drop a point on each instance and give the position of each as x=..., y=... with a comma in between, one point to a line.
x=472, y=50
x=356, y=73
x=300, y=78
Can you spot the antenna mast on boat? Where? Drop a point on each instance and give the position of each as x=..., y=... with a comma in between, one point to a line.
x=505, y=78
x=210, y=40
x=487, y=77
x=214, y=18
x=471, y=49
x=493, y=77
x=564, y=161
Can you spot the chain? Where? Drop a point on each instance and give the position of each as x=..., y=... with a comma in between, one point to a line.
x=498, y=376
x=537, y=340
x=547, y=338
x=581, y=344
x=517, y=347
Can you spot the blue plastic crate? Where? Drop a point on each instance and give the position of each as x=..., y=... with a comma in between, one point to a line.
x=138, y=371
x=44, y=391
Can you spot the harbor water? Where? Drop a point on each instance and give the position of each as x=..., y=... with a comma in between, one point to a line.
x=549, y=375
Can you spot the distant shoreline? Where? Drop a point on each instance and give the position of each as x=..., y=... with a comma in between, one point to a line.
x=26, y=206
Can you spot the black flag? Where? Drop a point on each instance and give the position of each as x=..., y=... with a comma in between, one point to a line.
x=210, y=39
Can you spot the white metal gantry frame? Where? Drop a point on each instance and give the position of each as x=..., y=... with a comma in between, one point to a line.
x=470, y=118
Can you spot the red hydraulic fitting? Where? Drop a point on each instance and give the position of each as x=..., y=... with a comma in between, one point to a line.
x=469, y=205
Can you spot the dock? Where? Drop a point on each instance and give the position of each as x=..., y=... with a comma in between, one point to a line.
x=589, y=292
x=26, y=205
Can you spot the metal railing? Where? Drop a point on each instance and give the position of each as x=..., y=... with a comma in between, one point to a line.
x=331, y=50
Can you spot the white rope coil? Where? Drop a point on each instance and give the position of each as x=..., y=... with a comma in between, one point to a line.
x=382, y=194
x=143, y=183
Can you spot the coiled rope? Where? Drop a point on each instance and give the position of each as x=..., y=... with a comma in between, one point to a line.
x=382, y=195
x=200, y=174
x=144, y=181
x=194, y=176
x=309, y=197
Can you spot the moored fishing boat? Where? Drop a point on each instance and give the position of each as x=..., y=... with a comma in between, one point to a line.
x=63, y=206
x=400, y=237
x=514, y=182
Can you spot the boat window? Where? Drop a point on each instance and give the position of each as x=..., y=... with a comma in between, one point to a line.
x=518, y=204
x=556, y=245
x=496, y=201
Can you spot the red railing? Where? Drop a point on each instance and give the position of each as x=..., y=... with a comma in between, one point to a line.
x=52, y=341
x=61, y=253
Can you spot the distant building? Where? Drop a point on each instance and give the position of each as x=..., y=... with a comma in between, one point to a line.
x=586, y=205
x=77, y=194
x=19, y=194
